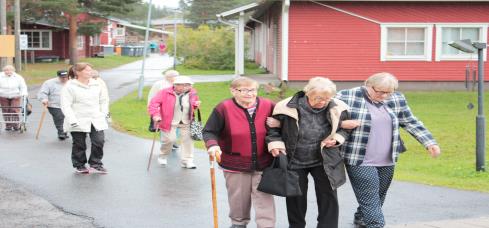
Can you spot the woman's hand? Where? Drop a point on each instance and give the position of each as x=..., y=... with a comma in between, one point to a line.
x=328, y=142
x=275, y=152
x=350, y=124
x=434, y=150
x=197, y=104
x=272, y=122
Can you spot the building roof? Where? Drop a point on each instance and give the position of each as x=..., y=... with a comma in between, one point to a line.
x=170, y=21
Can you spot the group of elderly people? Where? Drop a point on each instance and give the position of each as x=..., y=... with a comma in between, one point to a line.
x=322, y=132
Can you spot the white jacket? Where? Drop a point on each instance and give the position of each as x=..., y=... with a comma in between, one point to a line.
x=12, y=86
x=84, y=105
x=51, y=91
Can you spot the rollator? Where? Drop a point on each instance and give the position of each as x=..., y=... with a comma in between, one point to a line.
x=16, y=116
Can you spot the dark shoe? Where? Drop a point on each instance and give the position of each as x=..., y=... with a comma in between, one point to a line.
x=99, y=169
x=8, y=128
x=175, y=147
x=237, y=226
x=62, y=136
x=358, y=221
x=81, y=170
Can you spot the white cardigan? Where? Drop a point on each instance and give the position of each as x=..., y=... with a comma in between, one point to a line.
x=84, y=105
x=12, y=86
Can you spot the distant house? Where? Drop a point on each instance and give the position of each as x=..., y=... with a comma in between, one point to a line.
x=350, y=40
x=166, y=24
x=47, y=41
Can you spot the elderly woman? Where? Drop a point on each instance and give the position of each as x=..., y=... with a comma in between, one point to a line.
x=85, y=107
x=12, y=89
x=237, y=127
x=173, y=108
x=377, y=113
x=309, y=134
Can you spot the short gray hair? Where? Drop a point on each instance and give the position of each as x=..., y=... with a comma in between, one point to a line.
x=8, y=67
x=382, y=80
x=320, y=84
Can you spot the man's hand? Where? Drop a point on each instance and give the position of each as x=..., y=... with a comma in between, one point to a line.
x=350, y=124
x=275, y=152
x=434, y=150
x=328, y=142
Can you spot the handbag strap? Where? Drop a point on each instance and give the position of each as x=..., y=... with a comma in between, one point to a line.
x=199, y=117
x=283, y=163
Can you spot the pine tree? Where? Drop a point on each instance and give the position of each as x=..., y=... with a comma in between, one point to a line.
x=204, y=11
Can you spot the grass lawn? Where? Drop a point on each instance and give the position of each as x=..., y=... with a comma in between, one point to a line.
x=250, y=69
x=39, y=72
x=444, y=113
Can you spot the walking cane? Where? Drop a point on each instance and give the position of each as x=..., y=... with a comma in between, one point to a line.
x=152, y=147
x=41, y=121
x=213, y=186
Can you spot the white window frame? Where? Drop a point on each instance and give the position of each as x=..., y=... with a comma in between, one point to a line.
x=80, y=42
x=95, y=40
x=465, y=56
x=428, y=41
x=40, y=31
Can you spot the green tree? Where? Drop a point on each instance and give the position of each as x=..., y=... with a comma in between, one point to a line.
x=204, y=11
x=67, y=12
x=205, y=47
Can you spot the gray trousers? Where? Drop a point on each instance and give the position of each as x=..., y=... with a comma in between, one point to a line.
x=242, y=193
x=58, y=119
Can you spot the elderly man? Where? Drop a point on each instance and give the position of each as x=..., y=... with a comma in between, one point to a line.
x=50, y=95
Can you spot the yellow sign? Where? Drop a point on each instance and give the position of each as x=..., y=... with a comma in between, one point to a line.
x=7, y=46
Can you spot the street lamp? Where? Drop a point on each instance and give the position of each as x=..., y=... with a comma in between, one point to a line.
x=470, y=47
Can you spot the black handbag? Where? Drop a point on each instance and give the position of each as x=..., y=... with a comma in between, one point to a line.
x=196, y=127
x=151, y=127
x=278, y=180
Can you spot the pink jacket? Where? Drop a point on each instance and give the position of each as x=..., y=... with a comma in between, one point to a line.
x=163, y=103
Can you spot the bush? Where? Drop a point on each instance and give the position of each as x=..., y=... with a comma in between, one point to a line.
x=205, y=48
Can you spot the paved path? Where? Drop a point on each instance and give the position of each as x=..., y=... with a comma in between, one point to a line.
x=39, y=172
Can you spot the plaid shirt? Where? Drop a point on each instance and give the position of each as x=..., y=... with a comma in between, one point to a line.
x=354, y=148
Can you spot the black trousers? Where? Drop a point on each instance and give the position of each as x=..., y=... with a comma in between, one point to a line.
x=78, y=151
x=58, y=118
x=327, y=200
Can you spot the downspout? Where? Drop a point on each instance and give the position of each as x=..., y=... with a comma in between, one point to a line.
x=236, y=41
x=285, y=41
x=263, y=42
x=241, y=47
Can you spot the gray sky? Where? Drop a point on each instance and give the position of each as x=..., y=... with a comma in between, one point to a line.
x=167, y=3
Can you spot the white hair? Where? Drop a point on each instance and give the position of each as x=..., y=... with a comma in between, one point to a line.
x=382, y=80
x=8, y=67
x=320, y=84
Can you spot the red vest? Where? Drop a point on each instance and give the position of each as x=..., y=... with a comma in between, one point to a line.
x=242, y=140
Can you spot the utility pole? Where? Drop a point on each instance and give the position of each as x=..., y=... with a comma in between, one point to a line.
x=18, y=56
x=174, y=40
x=3, y=26
x=145, y=50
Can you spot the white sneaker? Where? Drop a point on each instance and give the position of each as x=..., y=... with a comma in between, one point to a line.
x=162, y=161
x=188, y=165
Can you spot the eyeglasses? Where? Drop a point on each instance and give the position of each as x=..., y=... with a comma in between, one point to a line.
x=380, y=92
x=319, y=99
x=246, y=91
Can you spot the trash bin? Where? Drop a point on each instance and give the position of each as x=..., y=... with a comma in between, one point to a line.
x=118, y=50
x=108, y=50
x=139, y=50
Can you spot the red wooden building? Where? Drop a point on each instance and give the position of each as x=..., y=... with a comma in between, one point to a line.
x=48, y=40
x=350, y=40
